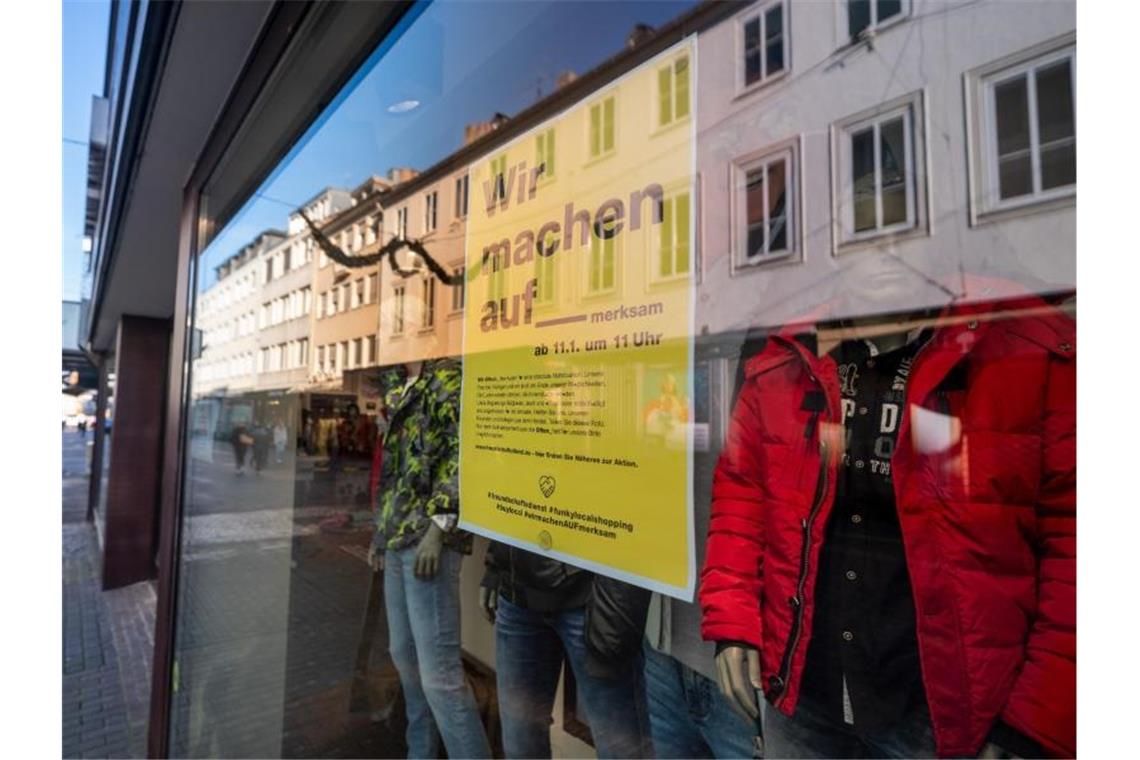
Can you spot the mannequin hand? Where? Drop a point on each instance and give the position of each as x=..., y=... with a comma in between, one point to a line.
x=738, y=674
x=427, y=553
x=375, y=558
x=488, y=602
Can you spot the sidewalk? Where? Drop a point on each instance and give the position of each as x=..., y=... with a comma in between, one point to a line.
x=107, y=636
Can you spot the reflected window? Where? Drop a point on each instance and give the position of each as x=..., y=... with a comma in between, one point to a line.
x=459, y=289
x=601, y=274
x=461, y=188
x=499, y=176
x=673, y=92
x=431, y=203
x=398, y=310
x=765, y=205
x=672, y=258
x=1030, y=131
x=878, y=174
x=764, y=44
x=402, y=223
x=869, y=15
x=601, y=140
x=428, y=298
x=544, y=153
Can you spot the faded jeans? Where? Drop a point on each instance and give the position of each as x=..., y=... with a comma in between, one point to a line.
x=529, y=650
x=423, y=636
x=688, y=715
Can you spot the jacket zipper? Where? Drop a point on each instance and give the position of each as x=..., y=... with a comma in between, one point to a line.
x=778, y=682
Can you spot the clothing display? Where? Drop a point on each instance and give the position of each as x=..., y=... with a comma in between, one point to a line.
x=418, y=481
x=419, y=471
x=423, y=637
x=549, y=612
x=688, y=716
x=862, y=663
x=530, y=647
x=982, y=478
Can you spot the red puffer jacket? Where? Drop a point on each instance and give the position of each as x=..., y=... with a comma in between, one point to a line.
x=985, y=482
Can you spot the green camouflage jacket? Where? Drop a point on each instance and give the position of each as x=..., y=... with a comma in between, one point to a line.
x=419, y=475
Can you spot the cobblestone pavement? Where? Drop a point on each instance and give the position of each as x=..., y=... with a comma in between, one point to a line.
x=106, y=635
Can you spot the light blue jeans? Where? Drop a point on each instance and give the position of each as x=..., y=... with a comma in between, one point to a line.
x=423, y=637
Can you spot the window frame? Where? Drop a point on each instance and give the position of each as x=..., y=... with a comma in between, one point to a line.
x=912, y=107
x=981, y=134
x=760, y=11
x=792, y=151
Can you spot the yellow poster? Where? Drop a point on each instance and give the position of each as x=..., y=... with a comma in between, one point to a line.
x=576, y=422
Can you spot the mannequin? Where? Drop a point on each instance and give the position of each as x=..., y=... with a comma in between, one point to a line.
x=421, y=551
x=901, y=466
x=546, y=612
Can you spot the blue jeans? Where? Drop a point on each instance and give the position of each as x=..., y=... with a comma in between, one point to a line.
x=809, y=734
x=688, y=716
x=529, y=649
x=423, y=636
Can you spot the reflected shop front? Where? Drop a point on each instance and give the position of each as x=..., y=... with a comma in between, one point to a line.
x=632, y=379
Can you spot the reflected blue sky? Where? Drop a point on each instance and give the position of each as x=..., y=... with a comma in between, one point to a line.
x=464, y=61
x=84, y=56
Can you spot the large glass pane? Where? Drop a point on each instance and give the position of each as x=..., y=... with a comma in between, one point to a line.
x=612, y=412
x=863, y=178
